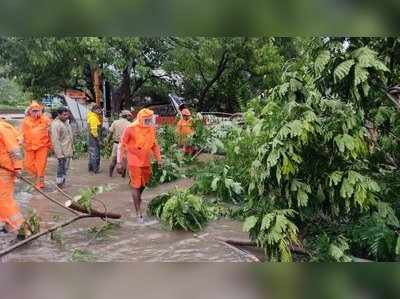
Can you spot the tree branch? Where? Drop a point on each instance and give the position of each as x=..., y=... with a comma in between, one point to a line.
x=201, y=71
x=220, y=69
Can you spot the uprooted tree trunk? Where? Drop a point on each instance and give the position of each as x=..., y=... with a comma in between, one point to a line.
x=93, y=213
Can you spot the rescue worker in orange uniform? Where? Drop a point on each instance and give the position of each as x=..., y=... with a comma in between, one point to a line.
x=184, y=130
x=36, y=135
x=139, y=143
x=11, y=160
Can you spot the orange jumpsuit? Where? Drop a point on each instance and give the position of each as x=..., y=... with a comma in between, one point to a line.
x=37, y=143
x=139, y=143
x=184, y=130
x=10, y=158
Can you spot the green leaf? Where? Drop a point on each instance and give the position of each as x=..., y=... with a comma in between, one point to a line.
x=214, y=184
x=344, y=141
x=343, y=69
x=249, y=223
x=321, y=60
x=237, y=188
x=302, y=198
x=397, y=249
x=360, y=75
x=335, y=177
x=347, y=189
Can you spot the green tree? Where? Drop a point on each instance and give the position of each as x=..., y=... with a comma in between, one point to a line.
x=51, y=65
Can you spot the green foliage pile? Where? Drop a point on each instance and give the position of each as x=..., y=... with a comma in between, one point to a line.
x=216, y=179
x=106, y=148
x=170, y=171
x=172, y=156
x=80, y=145
x=181, y=210
x=312, y=172
x=31, y=225
x=86, y=195
x=156, y=205
x=201, y=133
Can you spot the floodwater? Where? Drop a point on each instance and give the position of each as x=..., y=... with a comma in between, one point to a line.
x=125, y=241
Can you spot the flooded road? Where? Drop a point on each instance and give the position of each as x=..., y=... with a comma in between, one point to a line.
x=123, y=241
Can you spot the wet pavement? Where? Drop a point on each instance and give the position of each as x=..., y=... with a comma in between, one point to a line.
x=127, y=240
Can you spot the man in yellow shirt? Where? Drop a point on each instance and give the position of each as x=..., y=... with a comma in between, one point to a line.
x=94, y=121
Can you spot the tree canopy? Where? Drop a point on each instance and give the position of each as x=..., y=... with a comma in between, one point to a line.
x=211, y=73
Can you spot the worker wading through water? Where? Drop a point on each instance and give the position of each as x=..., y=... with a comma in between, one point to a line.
x=139, y=144
x=36, y=140
x=62, y=139
x=116, y=130
x=94, y=120
x=11, y=164
x=184, y=131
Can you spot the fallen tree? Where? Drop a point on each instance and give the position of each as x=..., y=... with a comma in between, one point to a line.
x=93, y=213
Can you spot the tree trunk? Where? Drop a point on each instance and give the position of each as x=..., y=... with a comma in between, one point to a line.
x=97, y=84
x=121, y=95
x=73, y=205
x=220, y=70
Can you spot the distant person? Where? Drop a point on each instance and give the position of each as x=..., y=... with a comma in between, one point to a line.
x=62, y=139
x=116, y=130
x=139, y=144
x=36, y=139
x=94, y=120
x=11, y=160
x=184, y=130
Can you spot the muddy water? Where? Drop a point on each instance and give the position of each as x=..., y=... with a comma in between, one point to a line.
x=128, y=241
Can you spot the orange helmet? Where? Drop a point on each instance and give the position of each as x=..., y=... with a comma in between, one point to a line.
x=146, y=117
